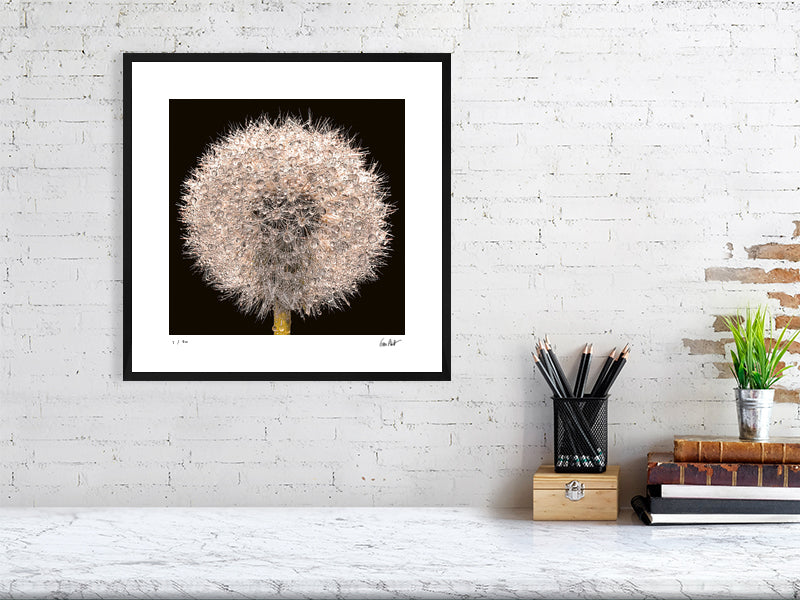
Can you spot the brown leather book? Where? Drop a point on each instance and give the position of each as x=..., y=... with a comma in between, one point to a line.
x=695, y=448
x=663, y=469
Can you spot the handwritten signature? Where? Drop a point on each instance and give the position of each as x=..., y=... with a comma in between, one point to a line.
x=389, y=342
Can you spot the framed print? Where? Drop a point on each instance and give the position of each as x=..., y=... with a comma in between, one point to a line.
x=287, y=216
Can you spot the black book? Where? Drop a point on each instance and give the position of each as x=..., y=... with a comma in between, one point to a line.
x=641, y=505
x=730, y=506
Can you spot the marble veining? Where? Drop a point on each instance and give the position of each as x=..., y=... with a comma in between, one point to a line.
x=383, y=553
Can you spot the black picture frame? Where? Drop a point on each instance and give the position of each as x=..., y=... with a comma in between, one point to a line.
x=182, y=334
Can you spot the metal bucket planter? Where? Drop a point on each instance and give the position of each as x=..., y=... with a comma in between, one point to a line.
x=754, y=409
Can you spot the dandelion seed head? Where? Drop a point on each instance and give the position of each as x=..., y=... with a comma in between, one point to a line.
x=288, y=214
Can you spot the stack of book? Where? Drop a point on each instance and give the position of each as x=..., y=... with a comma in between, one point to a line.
x=722, y=480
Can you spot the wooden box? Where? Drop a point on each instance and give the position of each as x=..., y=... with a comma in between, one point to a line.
x=575, y=496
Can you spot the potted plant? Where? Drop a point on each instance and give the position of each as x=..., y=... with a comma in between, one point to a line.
x=755, y=367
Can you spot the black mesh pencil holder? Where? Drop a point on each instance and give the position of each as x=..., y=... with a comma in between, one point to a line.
x=581, y=435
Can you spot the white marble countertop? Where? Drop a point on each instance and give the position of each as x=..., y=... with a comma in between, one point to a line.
x=383, y=553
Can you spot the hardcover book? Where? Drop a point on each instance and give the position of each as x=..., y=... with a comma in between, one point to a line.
x=690, y=448
x=737, y=492
x=663, y=469
x=721, y=506
x=640, y=505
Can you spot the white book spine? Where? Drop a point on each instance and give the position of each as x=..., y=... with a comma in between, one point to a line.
x=729, y=492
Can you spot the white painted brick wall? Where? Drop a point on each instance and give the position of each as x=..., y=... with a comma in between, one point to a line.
x=604, y=155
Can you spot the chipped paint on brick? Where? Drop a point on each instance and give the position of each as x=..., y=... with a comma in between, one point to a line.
x=785, y=253
x=775, y=252
x=786, y=300
x=723, y=370
x=719, y=322
x=752, y=275
x=793, y=348
x=784, y=395
x=706, y=346
x=788, y=321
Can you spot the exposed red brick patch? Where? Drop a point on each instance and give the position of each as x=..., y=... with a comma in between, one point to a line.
x=705, y=346
x=752, y=275
x=723, y=370
x=784, y=395
x=794, y=347
x=796, y=233
x=786, y=300
x=719, y=322
x=775, y=252
x=781, y=321
x=787, y=321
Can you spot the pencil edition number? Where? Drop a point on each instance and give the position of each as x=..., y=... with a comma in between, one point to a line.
x=179, y=342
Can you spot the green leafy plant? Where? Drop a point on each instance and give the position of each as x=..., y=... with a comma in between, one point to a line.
x=755, y=362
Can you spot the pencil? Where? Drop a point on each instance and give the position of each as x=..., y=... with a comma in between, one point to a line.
x=568, y=444
x=559, y=370
x=573, y=442
x=614, y=373
x=613, y=370
x=583, y=370
x=545, y=374
x=579, y=374
x=601, y=376
x=582, y=431
x=578, y=447
x=540, y=353
x=547, y=359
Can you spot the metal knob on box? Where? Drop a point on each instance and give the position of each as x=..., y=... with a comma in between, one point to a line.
x=573, y=490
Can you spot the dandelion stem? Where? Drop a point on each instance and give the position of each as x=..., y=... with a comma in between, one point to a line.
x=283, y=321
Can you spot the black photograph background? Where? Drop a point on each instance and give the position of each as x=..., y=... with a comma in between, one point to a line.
x=378, y=126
